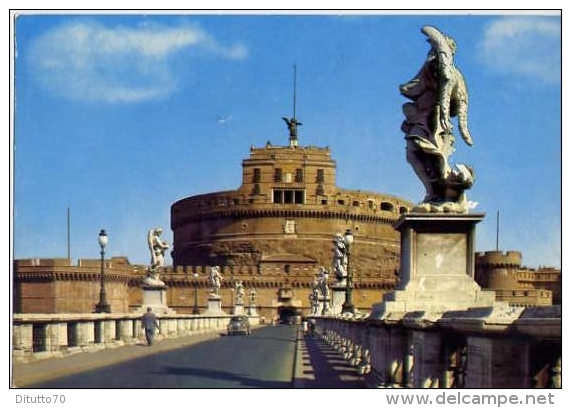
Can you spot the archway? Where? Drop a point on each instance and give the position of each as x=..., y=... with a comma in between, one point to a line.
x=288, y=315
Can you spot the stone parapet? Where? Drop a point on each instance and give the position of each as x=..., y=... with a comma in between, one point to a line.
x=498, y=346
x=40, y=336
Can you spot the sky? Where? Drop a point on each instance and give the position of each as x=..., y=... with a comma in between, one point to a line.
x=116, y=117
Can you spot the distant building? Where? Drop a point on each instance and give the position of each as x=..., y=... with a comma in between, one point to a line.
x=517, y=285
x=58, y=286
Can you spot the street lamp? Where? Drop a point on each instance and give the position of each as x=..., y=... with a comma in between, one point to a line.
x=232, y=292
x=348, y=306
x=195, y=310
x=102, y=306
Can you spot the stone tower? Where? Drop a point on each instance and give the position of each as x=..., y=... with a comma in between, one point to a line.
x=277, y=228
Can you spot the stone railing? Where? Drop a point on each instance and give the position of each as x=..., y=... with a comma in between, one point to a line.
x=37, y=336
x=489, y=347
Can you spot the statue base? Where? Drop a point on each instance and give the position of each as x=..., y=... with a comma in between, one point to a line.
x=324, y=307
x=214, y=306
x=437, y=266
x=339, y=293
x=155, y=298
x=238, y=309
x=252, y=311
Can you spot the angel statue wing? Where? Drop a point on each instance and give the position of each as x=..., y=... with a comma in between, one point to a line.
x=150, y=243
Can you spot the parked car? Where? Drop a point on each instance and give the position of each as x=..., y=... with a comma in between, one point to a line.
x=239, y=325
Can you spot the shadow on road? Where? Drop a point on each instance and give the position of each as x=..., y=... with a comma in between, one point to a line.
x=329, y=369
x=243, y=380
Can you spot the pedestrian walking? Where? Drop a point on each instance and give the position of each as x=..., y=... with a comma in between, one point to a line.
x=312, y=323
x=150, y=323
x=305, y=327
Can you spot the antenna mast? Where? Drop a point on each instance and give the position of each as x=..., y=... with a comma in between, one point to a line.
x=294, y=87
x=498, y=230
x=292, y=122
x=68, y=238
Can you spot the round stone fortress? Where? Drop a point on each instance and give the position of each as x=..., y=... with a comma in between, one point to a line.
x=277, y=228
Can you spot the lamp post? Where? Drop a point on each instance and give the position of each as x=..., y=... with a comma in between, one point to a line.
x=232, y=291
x=195, y=309
x=102, y=306
x=348, y=306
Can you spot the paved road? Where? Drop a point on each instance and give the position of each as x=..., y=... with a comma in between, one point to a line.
x=265, y=359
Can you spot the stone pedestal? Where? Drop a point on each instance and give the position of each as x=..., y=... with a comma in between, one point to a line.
x=214, y=306
x=156, y=298
x=324, y=306
x=252, y=310
x=339, y=293
x=437, y=266
x=238, y=309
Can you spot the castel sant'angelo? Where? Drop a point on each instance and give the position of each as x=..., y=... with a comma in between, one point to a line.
x=276, y=230
x=273, y=234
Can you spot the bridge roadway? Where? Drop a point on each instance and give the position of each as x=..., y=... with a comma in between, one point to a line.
x=271, y=357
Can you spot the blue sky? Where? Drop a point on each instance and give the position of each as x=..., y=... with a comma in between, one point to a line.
x=119, y=116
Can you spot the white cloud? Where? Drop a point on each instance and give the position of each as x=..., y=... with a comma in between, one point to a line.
x=92, y=62
x=524, y=45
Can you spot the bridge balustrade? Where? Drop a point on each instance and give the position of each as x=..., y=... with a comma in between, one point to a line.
x=36, y=336
x=495, y=347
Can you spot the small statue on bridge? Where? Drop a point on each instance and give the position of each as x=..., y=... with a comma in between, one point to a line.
x=314, y=298
x=215, y=280
x=157, y=247
x=322, y=282
x=239, y=287
x=340, y=259
x=253, y=296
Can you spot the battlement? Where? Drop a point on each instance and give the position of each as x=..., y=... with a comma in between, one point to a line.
x=121, y=263
x=499, y=259
x=42, y=262
x=303, y=152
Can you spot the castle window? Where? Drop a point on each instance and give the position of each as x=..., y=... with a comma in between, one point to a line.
x=320, y=176
x=278, y=196
x=320, y=190
x=257, y=175
x=341, y=202
x=403, y=210
x=278, y=176
x=356, y=203
x=371, y=204
x=287, y=268
x=324, y=202
x=298, y=175
x=385, y=206
x=289, y=196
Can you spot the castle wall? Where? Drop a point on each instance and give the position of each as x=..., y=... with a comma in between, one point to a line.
x=57, y=286
x=502, y=272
